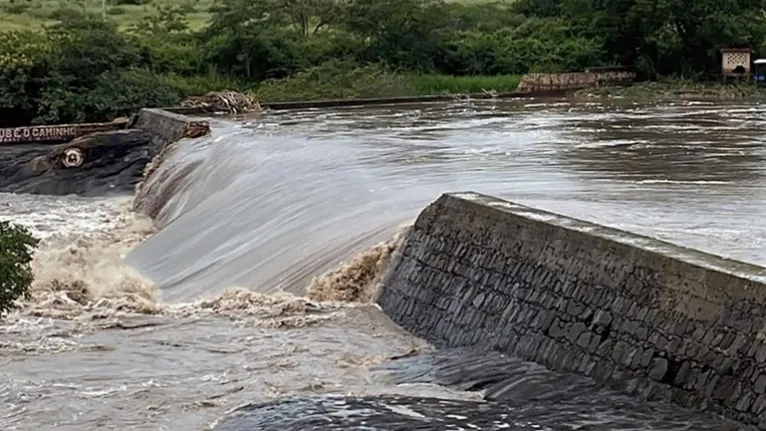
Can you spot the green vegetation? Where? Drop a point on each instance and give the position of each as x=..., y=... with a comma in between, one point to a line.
x=339, y=80
x=65, y=63
x=16, y=246
x=36, y=14
x=673, y=89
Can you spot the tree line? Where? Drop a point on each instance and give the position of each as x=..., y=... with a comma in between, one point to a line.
x=85, y=68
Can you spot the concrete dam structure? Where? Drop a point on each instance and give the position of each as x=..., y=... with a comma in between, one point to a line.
x=636, y=314
x=191, y=307
x=90, y=159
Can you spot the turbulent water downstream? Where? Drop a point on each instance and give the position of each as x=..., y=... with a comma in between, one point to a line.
x=264, y=206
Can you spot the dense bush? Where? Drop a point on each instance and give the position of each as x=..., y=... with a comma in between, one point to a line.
x=335, y=80
x=86, y=69
x=132, y=2
x=16, y=247
x=13, y=8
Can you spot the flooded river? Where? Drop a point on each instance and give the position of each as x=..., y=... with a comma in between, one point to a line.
x=211, y=310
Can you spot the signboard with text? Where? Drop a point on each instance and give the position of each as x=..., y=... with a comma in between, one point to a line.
x=59, y=133
x=39, y=133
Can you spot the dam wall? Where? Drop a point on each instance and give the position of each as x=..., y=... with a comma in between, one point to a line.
x=636, y=314
x=97, y=159
x=168, y=127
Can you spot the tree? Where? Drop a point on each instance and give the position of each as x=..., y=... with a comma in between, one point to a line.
x=16, y=247
x=403, y=33
x=661, y=37
x=21, y=69
x=310, y=16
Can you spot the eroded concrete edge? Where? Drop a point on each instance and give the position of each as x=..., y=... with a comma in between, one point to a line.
x=637, y=314
x=167, y=128
x=170, y=127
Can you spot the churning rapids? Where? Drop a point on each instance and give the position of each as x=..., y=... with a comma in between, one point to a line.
x=250, y=306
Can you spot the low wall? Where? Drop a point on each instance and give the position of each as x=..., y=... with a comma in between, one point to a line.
x=543, y=82
x=401, y=100
x=637, y=314
x=169, y=127
x=373, y=101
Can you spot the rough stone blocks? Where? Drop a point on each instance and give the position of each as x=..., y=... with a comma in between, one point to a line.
x=636, y=314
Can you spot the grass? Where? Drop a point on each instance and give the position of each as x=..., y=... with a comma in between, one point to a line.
x=34, y=14
x=446, y=84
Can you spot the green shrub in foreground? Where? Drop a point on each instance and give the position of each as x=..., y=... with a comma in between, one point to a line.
x=16, y=247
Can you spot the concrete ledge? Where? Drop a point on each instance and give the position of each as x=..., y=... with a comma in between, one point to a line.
x=376, y=101
x=305, y=104
x=637, y=314
x=169, y=127
x=530, y=85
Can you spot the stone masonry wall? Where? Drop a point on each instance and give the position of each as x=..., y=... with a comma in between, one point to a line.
x=534, y=82
x=636, y=314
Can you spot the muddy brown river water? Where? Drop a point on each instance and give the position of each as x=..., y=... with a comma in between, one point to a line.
x=137, y=327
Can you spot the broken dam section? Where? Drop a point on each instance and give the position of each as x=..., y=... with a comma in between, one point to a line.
x=636, y=314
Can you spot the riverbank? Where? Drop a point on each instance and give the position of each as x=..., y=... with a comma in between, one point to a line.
x=332, y=89
x=675, y=89
x=343, y=80
x=122, y=62
x=375, y=82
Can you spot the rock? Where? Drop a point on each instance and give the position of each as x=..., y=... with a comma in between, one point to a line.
x=659, y=367
x=90, y=165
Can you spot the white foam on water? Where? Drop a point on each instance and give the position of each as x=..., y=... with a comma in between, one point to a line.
x=313, y=198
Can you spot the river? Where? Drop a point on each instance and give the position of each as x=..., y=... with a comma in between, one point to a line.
x=168, y=326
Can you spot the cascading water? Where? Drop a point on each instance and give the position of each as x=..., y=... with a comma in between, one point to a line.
x=197, y=323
